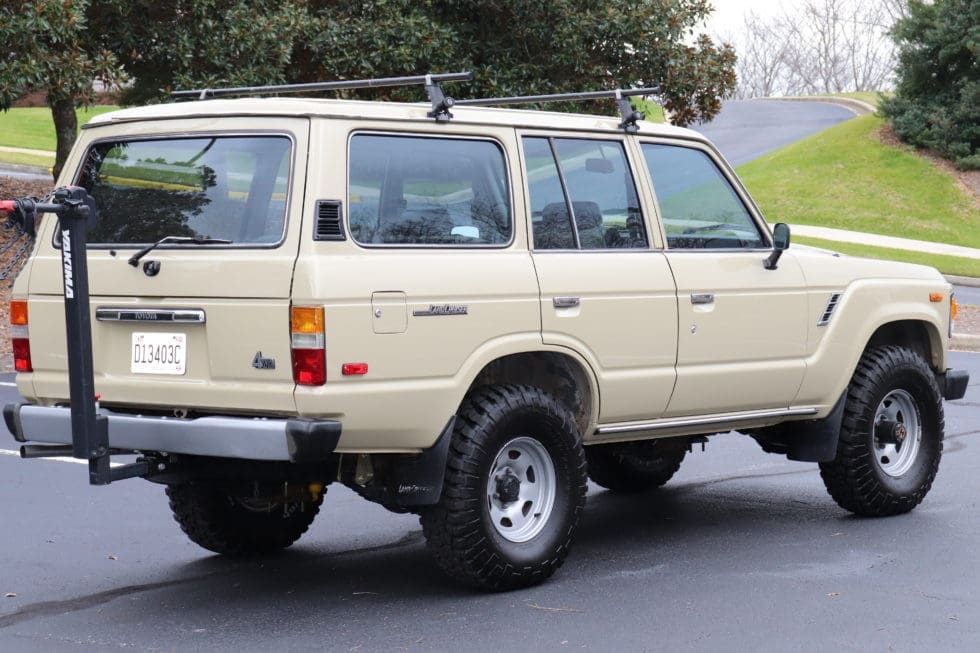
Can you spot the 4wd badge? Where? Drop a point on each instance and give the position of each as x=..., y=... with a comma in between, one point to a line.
x=261, y=363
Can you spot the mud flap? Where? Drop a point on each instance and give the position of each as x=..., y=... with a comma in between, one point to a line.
x=418, y=480
x=813, y=441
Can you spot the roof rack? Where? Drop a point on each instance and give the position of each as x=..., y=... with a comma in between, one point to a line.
x=630, y=115
x=440, y=102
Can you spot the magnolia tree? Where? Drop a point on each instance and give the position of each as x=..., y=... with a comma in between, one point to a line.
x=49, y=46
x=513, y=47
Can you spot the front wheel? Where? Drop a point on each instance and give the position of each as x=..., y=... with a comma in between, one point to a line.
x=891, y=437
x=513, y=492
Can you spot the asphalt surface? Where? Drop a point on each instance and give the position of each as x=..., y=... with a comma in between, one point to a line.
x=741, y=551
x=967, y=295
x=746, y=129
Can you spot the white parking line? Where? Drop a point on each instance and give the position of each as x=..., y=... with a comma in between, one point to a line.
x=8, y=384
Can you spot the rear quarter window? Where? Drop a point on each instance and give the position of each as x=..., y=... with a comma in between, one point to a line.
x=233, y=188
x=407, y=190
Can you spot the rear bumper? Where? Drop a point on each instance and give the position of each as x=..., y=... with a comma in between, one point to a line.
x=295, y=440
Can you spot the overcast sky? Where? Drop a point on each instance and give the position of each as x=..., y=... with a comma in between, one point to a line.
x=727, y=16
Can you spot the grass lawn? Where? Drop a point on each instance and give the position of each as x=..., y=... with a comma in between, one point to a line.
x=27, y=159
x=964, y=267
x=845, y=178
x=33, y=128
x=651, y=110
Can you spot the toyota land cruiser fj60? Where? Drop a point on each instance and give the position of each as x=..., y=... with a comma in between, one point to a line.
x=458, y=311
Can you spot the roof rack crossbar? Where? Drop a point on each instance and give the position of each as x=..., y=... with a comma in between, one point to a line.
x=440, y=103
x=630, y=116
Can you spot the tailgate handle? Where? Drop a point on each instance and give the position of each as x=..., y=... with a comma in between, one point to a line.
x=170, y=316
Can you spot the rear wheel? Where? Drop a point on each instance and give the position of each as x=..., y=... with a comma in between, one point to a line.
x=239, y=523
x=635, y=467
x=513, y=492
x=891, y=438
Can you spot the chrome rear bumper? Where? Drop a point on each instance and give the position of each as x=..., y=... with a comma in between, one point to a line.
x=248, y=438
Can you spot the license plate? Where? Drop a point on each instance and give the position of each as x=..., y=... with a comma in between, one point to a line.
x=158, y=353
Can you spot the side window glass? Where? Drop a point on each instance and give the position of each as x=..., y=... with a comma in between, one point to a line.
x=588, y=200
x=428, y=191
x=550, y=222
x=699, y=208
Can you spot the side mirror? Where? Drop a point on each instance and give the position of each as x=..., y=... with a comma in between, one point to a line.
x=780, y=242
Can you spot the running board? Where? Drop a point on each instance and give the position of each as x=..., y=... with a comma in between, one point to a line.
x=689, y=422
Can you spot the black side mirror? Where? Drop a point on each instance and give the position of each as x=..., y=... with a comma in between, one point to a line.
x=780, y=242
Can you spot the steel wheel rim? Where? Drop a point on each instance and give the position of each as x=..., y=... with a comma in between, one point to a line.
x=896, y=459
x=522, y=517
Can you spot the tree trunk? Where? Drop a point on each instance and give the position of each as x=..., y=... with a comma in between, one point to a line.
x=66, y=130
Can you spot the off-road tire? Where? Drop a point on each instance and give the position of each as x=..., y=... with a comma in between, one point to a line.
x=635, y=469
x=856, y=478
x=239, y=526
x=458, y=530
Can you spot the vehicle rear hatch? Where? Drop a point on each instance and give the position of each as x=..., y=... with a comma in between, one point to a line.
x=197, y=326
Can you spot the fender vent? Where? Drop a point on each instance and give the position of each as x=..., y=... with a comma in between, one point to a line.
x=329, y=221
x=828, y=312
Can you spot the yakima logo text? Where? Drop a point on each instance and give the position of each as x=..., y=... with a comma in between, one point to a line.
x=66, y=257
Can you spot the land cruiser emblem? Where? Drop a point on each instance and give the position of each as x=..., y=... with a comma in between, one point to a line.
x=441, y=309
x=261, y=363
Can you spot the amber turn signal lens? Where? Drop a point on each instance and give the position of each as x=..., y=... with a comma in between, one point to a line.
x=936, y=297
x=954, y=308
x=307, y=319
x=18, y=312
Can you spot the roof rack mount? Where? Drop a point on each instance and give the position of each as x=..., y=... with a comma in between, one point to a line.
x=630, y=116
x=440, y=102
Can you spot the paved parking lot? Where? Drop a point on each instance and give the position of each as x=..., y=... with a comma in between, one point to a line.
x=742, y=551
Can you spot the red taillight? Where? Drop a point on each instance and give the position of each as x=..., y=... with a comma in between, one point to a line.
x=22, y=354
x=308, y=345
x=19, y=337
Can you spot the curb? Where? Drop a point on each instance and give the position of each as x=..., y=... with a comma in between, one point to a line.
x=965, y=342
x=24, y=169
x=858, y=107
x=963, y=281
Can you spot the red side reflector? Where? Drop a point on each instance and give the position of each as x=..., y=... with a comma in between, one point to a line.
x=309, y=366
x=354, y=369
x=22, y=354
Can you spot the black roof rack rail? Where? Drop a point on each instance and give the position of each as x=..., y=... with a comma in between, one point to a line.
x=440, y=103
x=630, y=116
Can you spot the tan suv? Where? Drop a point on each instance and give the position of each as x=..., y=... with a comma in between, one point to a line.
x=464, y=314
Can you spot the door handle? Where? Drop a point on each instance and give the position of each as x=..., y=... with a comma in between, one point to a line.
x=702, y=298
x=565, y=302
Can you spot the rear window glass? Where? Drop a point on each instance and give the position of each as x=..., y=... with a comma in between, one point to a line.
x=428, y=191
x=232, y=188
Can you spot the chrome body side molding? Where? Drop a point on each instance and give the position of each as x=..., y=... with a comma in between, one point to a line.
x=717, y=420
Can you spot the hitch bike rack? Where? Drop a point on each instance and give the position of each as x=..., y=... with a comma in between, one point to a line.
x=76, y=211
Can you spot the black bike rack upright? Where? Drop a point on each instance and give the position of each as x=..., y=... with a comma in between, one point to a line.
x=76, y=211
